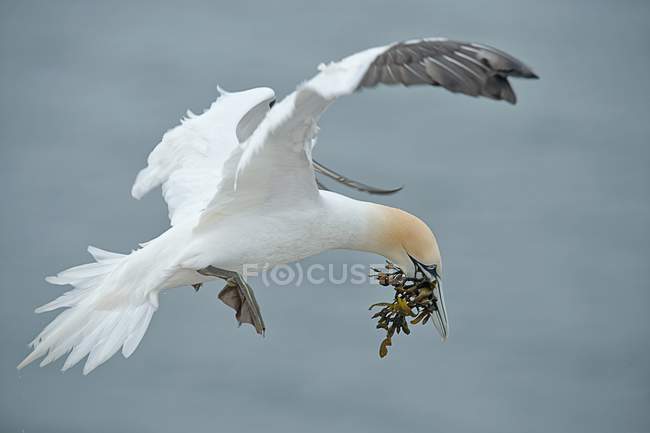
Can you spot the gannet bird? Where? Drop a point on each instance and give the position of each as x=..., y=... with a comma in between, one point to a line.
x=240, y=187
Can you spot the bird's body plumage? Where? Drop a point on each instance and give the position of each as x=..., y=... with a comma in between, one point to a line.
x=240, y=187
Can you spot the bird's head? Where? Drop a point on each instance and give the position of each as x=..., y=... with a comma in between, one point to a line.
x=246, y=109
x=409, y=243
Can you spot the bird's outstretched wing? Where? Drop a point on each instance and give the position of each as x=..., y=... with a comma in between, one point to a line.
x=275, y=164
x=460, y=67
x=188, y=160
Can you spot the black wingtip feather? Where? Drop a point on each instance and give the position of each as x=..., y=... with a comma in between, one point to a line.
x=460, y=67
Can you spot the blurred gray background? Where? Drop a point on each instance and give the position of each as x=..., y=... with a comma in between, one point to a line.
x=541, y=210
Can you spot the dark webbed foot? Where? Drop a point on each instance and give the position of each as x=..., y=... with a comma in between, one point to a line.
x=239, y=296
x=232, y=297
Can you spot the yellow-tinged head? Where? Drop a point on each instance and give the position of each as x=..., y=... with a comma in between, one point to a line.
x=404, y=238
x=407, y=241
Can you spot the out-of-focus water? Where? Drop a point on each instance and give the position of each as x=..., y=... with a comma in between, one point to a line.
x=541, y=210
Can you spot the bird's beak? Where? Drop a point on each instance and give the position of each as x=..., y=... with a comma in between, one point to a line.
x=439, y=316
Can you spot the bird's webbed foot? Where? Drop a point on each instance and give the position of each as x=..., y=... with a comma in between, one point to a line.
x=238, y=295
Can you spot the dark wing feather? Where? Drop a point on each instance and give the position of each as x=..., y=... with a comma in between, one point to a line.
x=359, y=186
x=460, y=67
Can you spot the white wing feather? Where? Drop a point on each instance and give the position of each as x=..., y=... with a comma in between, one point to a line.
x=274, y=165
x=202, y=167
x=188, y=160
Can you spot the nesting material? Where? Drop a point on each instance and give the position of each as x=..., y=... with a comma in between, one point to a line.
x=414, y=302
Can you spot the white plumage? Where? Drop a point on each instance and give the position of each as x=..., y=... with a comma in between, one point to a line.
x=240, y=188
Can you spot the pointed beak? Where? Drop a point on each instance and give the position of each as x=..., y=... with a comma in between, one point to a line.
x=439, y=316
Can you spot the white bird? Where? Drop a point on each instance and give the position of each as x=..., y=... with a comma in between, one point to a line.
x=240, y=187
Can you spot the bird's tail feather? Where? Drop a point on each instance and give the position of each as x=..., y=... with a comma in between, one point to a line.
x=84, y=328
